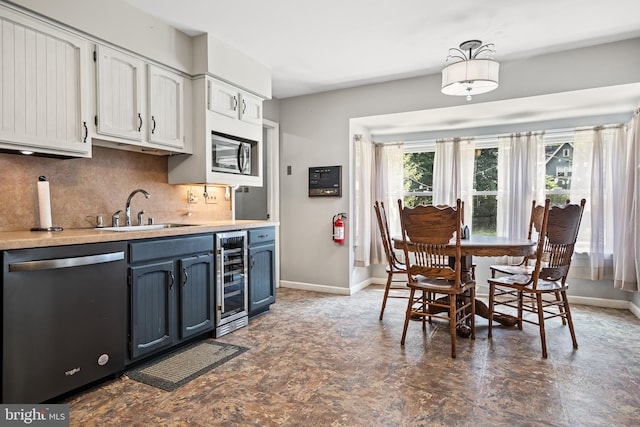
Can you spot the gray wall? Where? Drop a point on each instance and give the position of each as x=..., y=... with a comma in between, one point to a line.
x=315, y=131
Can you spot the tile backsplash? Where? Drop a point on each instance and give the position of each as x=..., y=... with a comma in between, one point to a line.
x=82, y=189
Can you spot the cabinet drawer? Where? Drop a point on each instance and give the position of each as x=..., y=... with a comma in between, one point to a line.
x=169, y=248
x=259, y=235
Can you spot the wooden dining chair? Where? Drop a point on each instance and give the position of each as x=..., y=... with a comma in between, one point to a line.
x=527, y=265
x=556, y=242
x=436, y=289
x=394, y=265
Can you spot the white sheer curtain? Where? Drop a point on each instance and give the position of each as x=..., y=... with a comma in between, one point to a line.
x=521, y=165
x=378, y=173
x=627, y=212
x=389, y=175
x=365, y=243
x=593, y=153
x=453, y=173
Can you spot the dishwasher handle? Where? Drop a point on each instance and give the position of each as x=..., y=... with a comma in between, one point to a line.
x=50, y=264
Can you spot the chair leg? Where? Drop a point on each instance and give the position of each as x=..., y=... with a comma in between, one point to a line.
x=406, y=317
x=520, y=309
x=540, y=311
x=567, y=311
x=453, y=323
x=472, y=293
x=560, y=307
x=424, y=309
x=492, y=290
x=386, y=293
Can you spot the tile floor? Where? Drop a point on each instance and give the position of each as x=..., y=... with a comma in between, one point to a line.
x=326, y=360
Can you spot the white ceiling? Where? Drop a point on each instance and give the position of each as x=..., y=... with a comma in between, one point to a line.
x=331, y=44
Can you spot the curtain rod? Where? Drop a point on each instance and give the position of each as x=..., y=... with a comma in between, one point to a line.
x=484, y=138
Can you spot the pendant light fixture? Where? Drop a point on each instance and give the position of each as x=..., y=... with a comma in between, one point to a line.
x=470, y=70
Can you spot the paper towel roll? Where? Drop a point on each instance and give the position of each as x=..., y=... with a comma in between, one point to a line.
x=44, y=204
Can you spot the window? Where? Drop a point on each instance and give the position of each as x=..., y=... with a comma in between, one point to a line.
x=418, y=177
x=558, y=164
x=485, y=189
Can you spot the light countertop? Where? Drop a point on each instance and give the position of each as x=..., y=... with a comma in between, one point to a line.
x=36, y=239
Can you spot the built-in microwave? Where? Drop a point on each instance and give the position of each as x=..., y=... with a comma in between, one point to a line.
x=231, y=154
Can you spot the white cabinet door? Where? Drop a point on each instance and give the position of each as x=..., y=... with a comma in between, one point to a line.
x=222, y=98
x=166, y=107
x=232, y=102
x=119, y=94
x=251, y=109
x=43, y=73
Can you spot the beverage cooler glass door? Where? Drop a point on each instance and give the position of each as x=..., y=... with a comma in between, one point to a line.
x=231, y=283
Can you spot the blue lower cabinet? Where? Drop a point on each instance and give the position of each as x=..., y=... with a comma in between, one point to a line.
x=262, y=286
x=171, y=291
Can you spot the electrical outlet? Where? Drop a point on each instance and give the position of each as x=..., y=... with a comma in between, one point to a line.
x=211, y=199
x=191, y=197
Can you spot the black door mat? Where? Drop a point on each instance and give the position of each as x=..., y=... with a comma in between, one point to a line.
x=181, y=366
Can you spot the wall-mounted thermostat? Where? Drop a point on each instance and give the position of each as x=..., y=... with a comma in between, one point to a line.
x=325, y=181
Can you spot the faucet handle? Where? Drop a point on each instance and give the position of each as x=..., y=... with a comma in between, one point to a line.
x=115, y=219
x=140, y=217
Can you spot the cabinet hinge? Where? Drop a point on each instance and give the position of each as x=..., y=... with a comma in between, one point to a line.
x=129, y=279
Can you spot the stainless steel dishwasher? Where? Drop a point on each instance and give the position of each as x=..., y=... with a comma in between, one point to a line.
x=63, y=319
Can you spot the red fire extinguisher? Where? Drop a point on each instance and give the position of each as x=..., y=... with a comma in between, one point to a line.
x=338, y=227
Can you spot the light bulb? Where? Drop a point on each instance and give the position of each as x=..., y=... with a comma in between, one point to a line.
x=469, y=97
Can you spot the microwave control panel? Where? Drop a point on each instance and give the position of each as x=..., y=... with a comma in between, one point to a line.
x=325, y=181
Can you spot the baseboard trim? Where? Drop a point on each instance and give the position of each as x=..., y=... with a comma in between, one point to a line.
x=315, y=288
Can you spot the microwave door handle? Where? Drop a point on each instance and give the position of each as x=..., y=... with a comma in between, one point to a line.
x=242, y=157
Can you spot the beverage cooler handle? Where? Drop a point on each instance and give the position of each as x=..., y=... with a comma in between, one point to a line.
x=220, y=284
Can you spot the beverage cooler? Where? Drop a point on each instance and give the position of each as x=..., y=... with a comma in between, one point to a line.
x=231, y=282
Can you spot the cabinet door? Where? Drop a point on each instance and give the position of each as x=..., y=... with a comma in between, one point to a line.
x=262, y=292
x=119, y=93
x=222, y=98
x=152, y=307
x=166, y=107
x=196, y=295
x=43, y=74
x=251, y=109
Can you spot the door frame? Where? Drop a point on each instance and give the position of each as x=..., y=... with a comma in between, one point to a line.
x=272, y=181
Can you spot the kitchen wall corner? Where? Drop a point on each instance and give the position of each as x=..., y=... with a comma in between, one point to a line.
x=82, y=188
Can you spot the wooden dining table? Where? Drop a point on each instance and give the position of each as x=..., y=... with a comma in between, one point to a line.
x=484, y=246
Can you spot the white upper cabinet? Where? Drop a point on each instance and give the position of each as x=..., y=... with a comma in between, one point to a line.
x=138, y=104
x=233, y=102
x=166, y=107
x=251, y=109
x=119, y=94
x=43, y=87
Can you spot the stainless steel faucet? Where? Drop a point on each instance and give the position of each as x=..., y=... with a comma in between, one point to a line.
x=127, y=210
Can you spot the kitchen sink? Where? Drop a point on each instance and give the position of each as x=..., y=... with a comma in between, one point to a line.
x=143, y=227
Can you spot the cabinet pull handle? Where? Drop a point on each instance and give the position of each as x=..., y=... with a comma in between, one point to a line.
x=186, y=277
x=235, y=103
x=153, y=119
x=173, y=280
x=140, y=122
x=244, y=106
x=253, y=261
x=86, y=131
